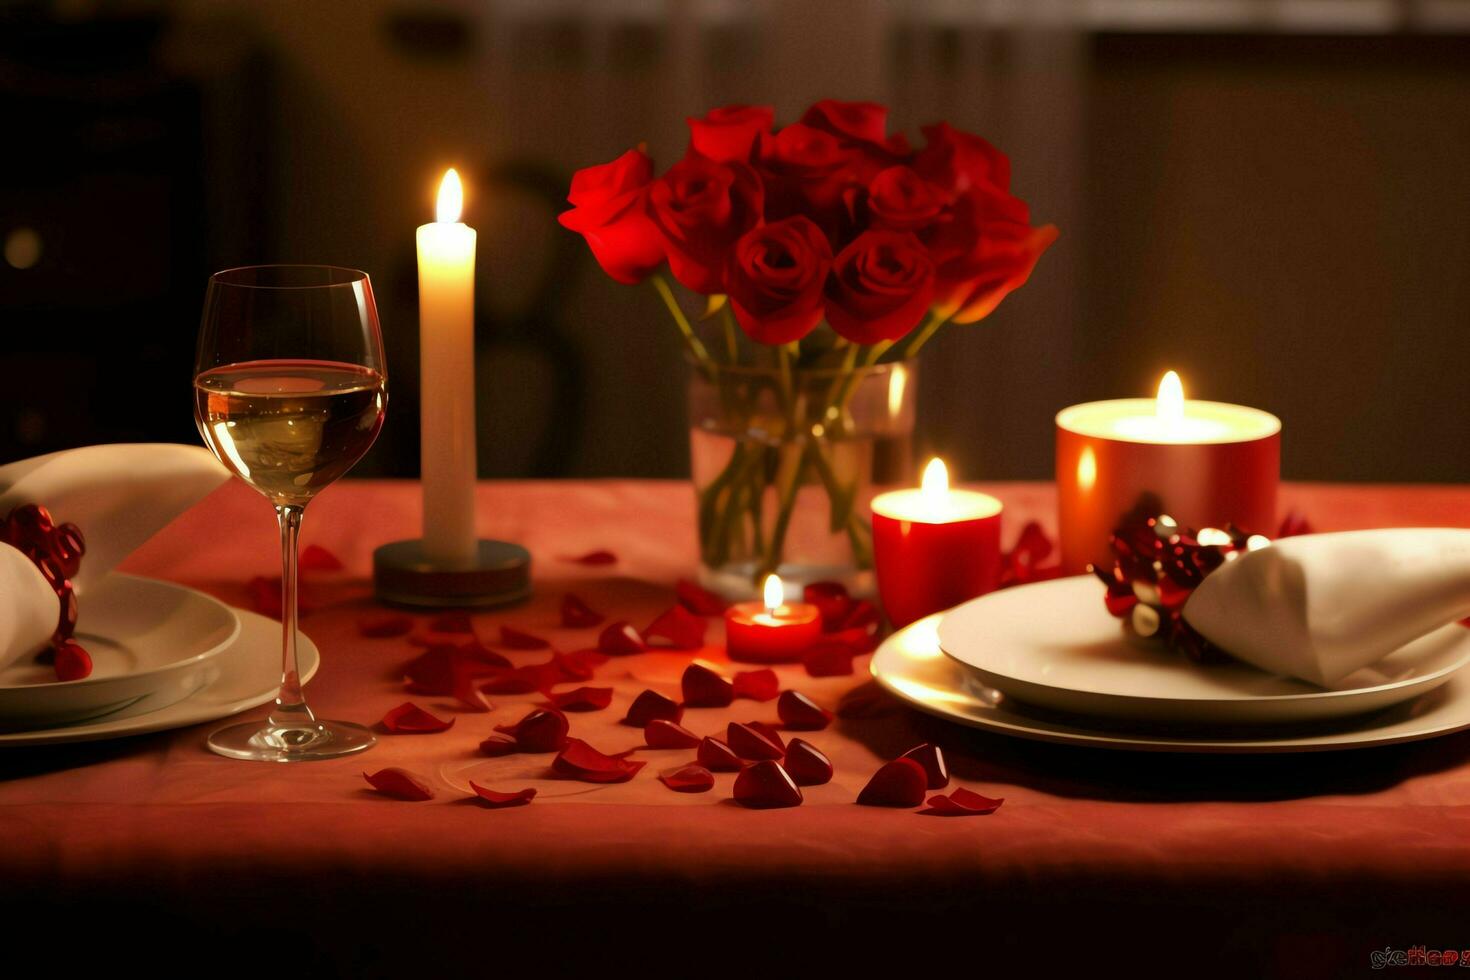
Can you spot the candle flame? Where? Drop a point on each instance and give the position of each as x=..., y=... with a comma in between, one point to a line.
x=1170, y=405
x=934, y=487
x=775, y=593
x=451, y=198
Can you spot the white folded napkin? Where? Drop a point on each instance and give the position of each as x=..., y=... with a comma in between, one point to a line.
x=118, y=495
x=1320, y=606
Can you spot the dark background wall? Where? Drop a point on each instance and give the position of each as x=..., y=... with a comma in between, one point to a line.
x=1277, y=210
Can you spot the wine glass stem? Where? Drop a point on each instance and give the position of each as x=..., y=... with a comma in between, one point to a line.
x=291, y=709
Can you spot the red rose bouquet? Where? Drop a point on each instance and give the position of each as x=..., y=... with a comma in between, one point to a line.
x=829, y=253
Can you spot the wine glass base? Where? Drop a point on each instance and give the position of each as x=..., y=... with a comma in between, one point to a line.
x=290, y=743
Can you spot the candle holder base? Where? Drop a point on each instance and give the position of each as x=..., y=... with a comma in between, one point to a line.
x=403, y=575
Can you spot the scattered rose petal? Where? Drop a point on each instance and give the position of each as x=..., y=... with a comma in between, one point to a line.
x=514, y=639
x=901, y=782
x=71, y=661
x=931, y=757
x=769, y=731
x=517, y=680
x=584, y=660
x=807, y=764
x=576, y=614
x=582, y=699
x=718, y=757
x=385, y=625
x=678, y=628
x=800, y=713
x=474, y=699
x=828, y=660
x=542, y=730
x=621, y=638
x=315, y=558
x=601, y=557
x=409, y=719
x=498, y=744
x=697, y=599
x=859, y=639
x=499, y=801
x=399, y=784
x=862, y=616
x=651, y=705
x=703, y=688
x=688, y=779
x=962, y=803
x=445, y=670
x=457, y=622
x=831, y=600
x=664, y=734
x=581, y=761
x=766, y=786
x=758, y=685
x=571, y=668
x=867, y=701
x=751, y=743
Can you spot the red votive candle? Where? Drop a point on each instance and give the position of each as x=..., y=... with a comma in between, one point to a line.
x=934, y=547
x=773, y=631
x=1205, y=464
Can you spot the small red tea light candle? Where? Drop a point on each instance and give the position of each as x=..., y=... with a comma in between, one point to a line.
x=1205, y=464
x=934, y=547
x=773, y=631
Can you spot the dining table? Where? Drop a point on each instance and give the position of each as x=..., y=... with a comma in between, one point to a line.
x=150, y=852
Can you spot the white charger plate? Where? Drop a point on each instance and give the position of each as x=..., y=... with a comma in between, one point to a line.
x=249, y=675
x=911, y=665
x=1054, y=645
x=152, y=643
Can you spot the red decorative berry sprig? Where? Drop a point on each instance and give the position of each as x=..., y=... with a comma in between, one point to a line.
x=57, y=550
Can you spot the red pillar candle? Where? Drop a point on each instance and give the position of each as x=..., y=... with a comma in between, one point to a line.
x=1205, y=464
x=934, y=547
x=773, y=631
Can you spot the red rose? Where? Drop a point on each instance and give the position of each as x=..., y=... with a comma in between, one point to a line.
x=957, y=161
x=807, y=171
x=700, y=207
x=775, y=279
x=900, y=200
x=986, y=251
x=881, y=285
x=861, y=122
x=730, y=133
x=608, y=211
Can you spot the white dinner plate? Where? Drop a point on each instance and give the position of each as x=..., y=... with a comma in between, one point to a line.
x=152, y=643
x=911, y=665
x=1054, y=645
x=249, y=675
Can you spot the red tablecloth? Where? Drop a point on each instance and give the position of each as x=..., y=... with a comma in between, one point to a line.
x=152, y=848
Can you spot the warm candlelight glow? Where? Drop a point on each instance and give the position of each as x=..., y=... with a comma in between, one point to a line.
x=1087, y=469
x=1169, y=407
x=451, y=198
x=934, y=486
x=774, y=593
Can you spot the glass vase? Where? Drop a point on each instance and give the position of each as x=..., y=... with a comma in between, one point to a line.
x=784, y=464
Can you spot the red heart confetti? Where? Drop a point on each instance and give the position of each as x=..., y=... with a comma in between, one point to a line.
x=651, y=705
x=751, y=743
x=582, y=699
x=828, y=660
x=581, y=761
x=576, y=614
x=621, y=638
x=542, y=730
x=663, y=734
x=688, y=779
x=678, y=628
x=498, y=801
x=800, y=713
x=699, y=600
x=831, y=600
x=315, y=558
x=757, y=685
x=498, y=744
x=399, y=784
x=717, y=756
x=931, y=757
x=71, y=661
x=385, y=625
x=901, y=782
x=601, y=557
x=452, y=623
x=961, y=803
x=409, y=719
x=514, y=639
x=703, y=688
x=766, y=786
x=807, y=764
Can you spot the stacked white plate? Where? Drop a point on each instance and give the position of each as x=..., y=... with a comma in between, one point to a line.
x=1046, y=661
x=163, y=657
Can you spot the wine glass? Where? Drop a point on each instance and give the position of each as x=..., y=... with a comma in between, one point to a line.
x=289, y=392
